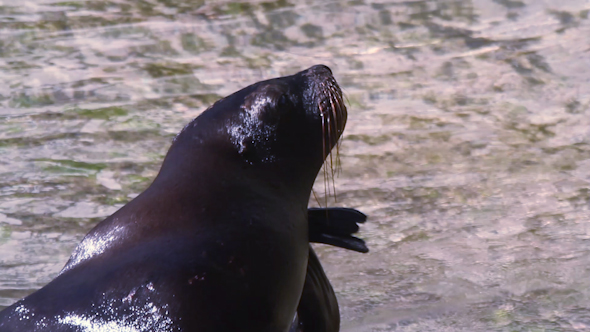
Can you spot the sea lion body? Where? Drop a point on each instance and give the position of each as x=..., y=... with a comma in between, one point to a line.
x=219, y=241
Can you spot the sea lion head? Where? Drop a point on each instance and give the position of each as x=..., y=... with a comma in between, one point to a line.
x=285, y=126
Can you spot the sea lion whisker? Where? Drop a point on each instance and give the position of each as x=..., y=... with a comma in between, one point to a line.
x=324, y=148
x=323, y=116
x=334, y=113
x=329, y=123
x=335, y=94
x=329, y=161
x=341, y=111
x=315, y=197
x=333, y=118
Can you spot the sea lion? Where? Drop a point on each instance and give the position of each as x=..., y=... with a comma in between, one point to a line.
x=219, y=241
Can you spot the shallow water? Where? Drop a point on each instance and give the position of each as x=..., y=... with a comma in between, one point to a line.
x=467, y=142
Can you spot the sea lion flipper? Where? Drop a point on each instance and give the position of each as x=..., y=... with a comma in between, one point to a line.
x=318, y=308
x=347, y=218
x=345, y=242
x=335, y=226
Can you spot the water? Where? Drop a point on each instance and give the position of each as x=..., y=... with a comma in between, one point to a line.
x=467, y=142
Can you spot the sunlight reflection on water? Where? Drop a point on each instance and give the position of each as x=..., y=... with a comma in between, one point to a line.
x=466, y=144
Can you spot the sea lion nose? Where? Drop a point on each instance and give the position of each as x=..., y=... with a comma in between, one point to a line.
x=320, y=70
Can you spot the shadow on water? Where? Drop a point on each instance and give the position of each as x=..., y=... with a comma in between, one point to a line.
x=467, y=140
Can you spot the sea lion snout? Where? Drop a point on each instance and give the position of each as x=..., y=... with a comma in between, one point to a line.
x=324, y=98
x=318, y=71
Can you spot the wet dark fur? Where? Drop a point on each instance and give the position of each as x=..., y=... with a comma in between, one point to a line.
x=219, y=241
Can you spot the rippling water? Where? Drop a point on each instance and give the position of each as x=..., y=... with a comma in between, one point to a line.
x=467, y=142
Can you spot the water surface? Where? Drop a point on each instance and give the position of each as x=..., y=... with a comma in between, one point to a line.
x=467, y=142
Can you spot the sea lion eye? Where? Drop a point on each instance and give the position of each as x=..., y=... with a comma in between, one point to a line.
x=267, y=104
